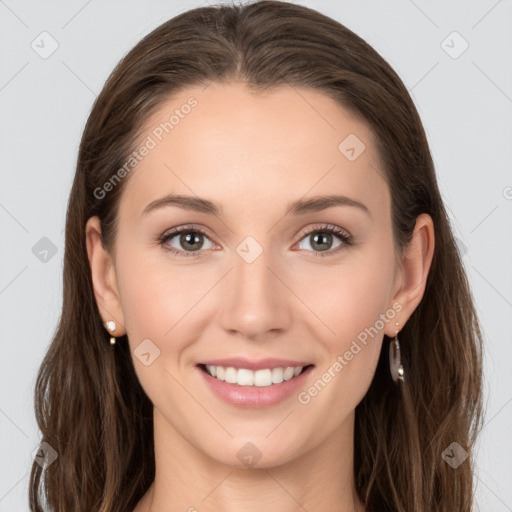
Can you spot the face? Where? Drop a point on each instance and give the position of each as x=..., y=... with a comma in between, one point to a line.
x=253, y=280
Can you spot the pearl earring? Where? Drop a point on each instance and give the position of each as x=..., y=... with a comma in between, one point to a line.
x=111, y=326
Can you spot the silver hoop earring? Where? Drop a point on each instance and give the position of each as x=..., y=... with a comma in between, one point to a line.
x=395, y=366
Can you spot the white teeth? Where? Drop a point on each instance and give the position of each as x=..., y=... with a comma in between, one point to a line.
x=288, y=373
x=245, y=377
x=230, y=375
x=262, y=378
x=277, y=375
x=259, y=378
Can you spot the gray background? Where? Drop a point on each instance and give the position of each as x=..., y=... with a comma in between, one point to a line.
x=465, y=103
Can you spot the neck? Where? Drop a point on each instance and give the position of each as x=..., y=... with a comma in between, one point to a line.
x=320, y=478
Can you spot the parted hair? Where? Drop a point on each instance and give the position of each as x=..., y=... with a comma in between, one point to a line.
x=89, y=404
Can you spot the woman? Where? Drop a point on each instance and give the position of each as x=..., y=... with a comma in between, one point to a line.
x=264, y=307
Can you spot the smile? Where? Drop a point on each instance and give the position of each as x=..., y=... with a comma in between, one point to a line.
x=254, y=383
x=259, y=378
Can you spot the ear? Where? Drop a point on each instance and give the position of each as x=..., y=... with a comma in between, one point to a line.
x=414, y=269
x=103, y=277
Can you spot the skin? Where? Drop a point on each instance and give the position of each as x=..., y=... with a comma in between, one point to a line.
x=254, y=154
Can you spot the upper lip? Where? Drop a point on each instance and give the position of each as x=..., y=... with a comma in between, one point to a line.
x=241, y=362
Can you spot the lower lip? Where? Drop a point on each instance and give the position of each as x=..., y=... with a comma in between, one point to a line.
x=254, y=397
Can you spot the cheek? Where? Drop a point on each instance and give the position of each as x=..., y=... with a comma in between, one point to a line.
x=353, y=302
x=162, y=301
x=153, y=295
x=349, y=297
x=155, y=303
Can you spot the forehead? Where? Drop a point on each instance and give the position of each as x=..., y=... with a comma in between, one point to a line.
x=238, y=148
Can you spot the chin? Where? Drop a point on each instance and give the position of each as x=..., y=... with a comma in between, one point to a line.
x=258, y=453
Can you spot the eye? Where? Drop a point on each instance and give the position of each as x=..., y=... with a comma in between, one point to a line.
x=320, y=240
x=190, y=239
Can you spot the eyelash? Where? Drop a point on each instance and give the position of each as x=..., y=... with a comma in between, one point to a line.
x=345, y=237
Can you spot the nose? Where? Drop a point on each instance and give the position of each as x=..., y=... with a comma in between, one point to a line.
x=257, y=301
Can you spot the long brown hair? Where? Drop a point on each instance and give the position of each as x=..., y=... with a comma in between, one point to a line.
x=89, y=404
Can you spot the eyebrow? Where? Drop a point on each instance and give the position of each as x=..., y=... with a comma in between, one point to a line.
x=299, y=207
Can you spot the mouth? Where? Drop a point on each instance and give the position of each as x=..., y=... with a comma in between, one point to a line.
x=261, y=378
